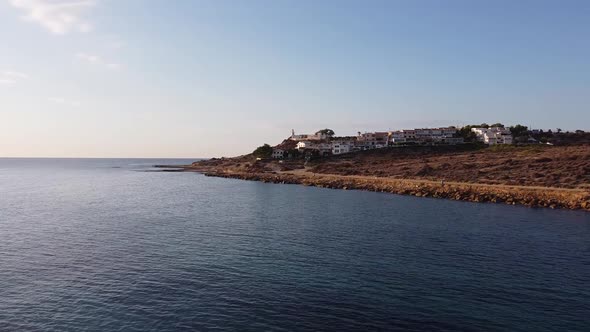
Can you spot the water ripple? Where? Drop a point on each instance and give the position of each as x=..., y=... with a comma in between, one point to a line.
x=95, y=246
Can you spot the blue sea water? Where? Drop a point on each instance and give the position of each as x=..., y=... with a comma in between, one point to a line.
x=102, y=245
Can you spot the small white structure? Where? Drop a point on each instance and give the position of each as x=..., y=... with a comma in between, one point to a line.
x=322, y=148
x=302, y=145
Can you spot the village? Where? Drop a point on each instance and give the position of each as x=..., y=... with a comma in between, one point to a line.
x=325, y=143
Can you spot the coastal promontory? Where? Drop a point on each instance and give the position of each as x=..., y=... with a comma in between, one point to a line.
x=531, y=173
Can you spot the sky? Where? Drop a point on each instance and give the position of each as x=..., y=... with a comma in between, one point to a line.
x=191, y=78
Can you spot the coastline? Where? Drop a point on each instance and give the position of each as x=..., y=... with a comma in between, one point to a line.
x=541, y=197
x=533, y=176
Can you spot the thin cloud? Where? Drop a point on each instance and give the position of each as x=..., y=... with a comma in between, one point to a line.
x=93, y=59
x=64, y=101
x=116, y=44
x=97, y=60
x=58, y=17
x=14, y=74
x=7, y=81
x=10, y=77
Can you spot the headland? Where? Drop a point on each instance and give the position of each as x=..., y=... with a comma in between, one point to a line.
x=531, y=175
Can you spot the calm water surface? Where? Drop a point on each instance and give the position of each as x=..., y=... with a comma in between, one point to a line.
x=101, y=245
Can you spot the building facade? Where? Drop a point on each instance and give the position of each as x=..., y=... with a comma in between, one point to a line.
x=445, y=135
x=493, y=136
x=342, y=146
x=308, y=137
x=278, y=153
x=374, y=140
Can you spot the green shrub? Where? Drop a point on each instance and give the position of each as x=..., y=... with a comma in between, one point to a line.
x=264, y=151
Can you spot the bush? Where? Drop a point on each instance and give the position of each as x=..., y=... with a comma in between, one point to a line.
x=328, y=132
x=519, y=130
x=264, y=151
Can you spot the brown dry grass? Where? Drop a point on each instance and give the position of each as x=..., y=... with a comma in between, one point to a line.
x=542, y=166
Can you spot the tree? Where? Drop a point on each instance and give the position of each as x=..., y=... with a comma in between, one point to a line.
x=264, y=151
x=518, y=130
x=327, y=132
x=484, y=125
x=467, y=134
x=497, y=125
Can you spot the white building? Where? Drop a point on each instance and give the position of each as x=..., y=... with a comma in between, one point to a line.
x=398, y=137
x=494, y=135
x=425, y=135
x=435, y=134
x=342, y=146
x=299, y=137
x=375, y=140
x=309, y=137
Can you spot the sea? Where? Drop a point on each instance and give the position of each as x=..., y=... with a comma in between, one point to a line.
x=116, y=245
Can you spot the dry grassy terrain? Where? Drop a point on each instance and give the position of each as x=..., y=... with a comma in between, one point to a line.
x=535, y=165
x=545, y=166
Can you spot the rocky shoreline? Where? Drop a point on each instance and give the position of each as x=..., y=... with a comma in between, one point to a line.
x=554, y=198
x=535, y=176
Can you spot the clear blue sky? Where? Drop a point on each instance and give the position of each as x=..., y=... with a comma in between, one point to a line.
x=188, y=78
